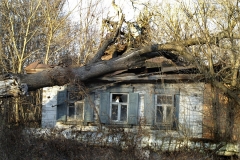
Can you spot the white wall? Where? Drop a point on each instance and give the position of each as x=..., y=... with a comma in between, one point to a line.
x=49, y=105
x=190, y=109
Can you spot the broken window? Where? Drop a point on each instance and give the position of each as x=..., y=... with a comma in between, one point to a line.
x=75, y=105
x=164, y=106
x=75, y=111
x=119, y=107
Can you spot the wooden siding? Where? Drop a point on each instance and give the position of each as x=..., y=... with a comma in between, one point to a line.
x=49, y=106
x=190, y=116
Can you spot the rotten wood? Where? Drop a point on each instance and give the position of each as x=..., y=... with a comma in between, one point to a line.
x=11, y=87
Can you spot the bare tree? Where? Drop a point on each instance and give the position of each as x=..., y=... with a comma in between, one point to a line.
x=33, y=30
x=29, y=31
x=215, y=25
x=17, y=32
x=57, y=29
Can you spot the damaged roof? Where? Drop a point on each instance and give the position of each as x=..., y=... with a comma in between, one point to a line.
x=157, y=68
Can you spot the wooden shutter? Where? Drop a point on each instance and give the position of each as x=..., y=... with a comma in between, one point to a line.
x=104, y=107
x=62, y=105
x=79, y=106
x=133, y=108
x=88, y=108
x=176, y=110
x=149, y=108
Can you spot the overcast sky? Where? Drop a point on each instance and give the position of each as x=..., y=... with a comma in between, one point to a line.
x=126, y=5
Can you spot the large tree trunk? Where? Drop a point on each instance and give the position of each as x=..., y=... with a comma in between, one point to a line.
x=17, y=84
x=14, y=85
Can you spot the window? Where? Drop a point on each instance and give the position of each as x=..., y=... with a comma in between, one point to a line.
x=72, y=107
x=75, y=111
x=75, y=105
x=119, y=107
x=164, y=110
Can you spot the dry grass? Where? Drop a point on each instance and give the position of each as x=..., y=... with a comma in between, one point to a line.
x=14, y=146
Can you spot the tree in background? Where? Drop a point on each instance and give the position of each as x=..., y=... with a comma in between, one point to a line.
x=32, y=31
x=206, y=34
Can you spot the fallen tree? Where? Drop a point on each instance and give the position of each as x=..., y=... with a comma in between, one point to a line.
x=177, y=51
x=215, y=54
x=59, y=75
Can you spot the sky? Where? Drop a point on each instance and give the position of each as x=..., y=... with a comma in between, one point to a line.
x=126, y=5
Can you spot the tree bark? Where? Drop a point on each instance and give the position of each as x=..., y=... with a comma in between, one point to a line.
x=132, y=58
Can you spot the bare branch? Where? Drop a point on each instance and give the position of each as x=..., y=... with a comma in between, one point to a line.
x=113, y=36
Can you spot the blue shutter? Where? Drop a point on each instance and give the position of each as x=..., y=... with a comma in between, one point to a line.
x=149, y=108
x=133, y=108
x=176, y=110
x=104, y=107
x=88, y=108
x=62, y=105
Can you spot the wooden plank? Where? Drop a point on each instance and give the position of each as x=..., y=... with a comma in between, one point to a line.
x=133, y=108
x=89, y=108
x=116, y=72
x=154, y=77
x=176, y=68
x=32, y=65
x=31, y=71
x=149, y=108
x=104, y=107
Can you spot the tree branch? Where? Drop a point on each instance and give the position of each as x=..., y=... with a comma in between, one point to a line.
x=227, y=91
x=60, y=75
x=112, y=37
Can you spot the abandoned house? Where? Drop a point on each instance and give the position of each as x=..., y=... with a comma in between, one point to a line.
x=161, y=96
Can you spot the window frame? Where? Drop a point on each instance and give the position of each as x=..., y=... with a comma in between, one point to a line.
x=119, y=107
x=75, y=106
x=171, y=105
x=72, y=102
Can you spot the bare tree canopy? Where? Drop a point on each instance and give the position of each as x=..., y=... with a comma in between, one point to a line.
x=205, y=35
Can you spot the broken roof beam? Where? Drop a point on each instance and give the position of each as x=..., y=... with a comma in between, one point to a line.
x=155, y=77
x=176, y=68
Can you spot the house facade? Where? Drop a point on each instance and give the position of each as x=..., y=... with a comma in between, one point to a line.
x=171, y=107
x=167, y=105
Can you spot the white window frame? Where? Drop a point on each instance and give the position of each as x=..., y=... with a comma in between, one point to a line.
x=75, y=111
x=119, y=107
x=165, y=106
